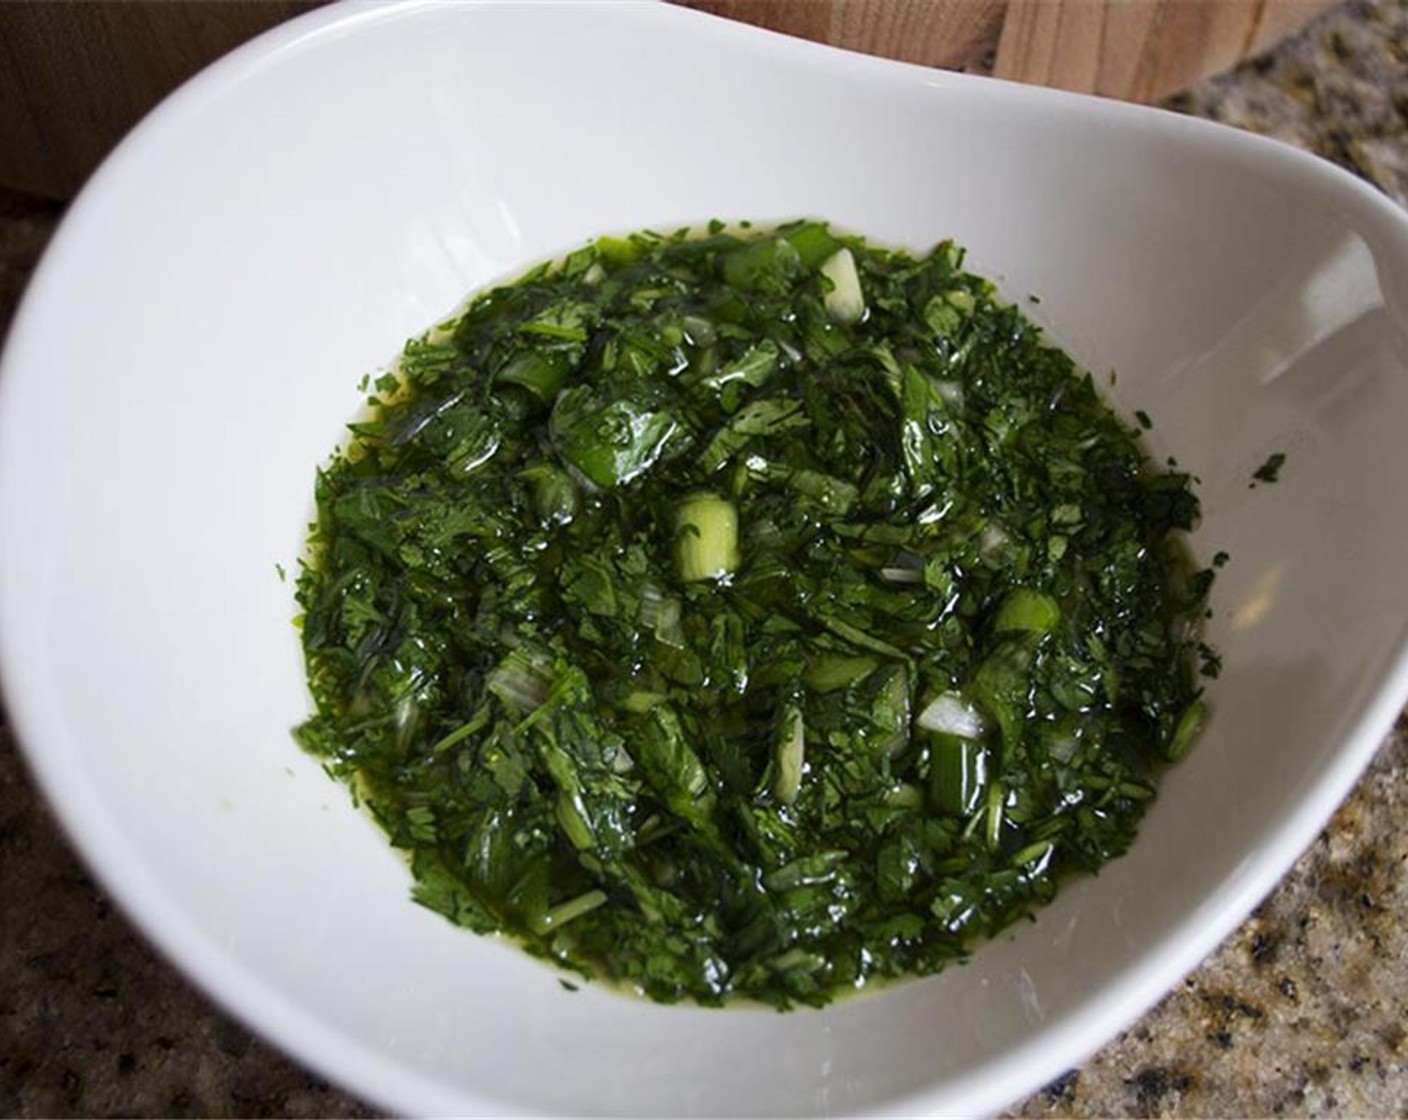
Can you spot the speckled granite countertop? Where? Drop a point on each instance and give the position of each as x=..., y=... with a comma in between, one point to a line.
x=1299, y=1013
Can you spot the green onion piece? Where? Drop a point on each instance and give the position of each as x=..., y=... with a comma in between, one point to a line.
x=791, y=755
x=844, y=302
x=832, y=671
x=541, y=372
x=1032, y=853
x=905, y=796
x=1030, y=611
x=957, y=774
x=571, y=816
x=993, y=830
x=708, y=538
x=1186, y=730
x=564, y=912
x=952, y=714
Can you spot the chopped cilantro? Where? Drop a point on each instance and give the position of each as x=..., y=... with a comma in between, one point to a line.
x=1270, y=470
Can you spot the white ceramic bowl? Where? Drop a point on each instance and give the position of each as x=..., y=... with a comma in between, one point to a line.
x=190, y=347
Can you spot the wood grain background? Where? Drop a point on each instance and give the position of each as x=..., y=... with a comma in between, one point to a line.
x=75, y=75
x=1136, y=50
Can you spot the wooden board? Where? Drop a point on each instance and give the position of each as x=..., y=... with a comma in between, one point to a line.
x=76, y=75
x=1135, y=50
x=1138, y=50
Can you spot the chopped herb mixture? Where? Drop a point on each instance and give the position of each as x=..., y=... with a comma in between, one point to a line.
x=748, y=614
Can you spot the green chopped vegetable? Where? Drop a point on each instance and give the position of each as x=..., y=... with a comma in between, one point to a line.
x=708, y=538
x=748, y=614
x=791, y=753
x=844, y=301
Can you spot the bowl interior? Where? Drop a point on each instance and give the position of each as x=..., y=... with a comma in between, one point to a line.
x=192, y=344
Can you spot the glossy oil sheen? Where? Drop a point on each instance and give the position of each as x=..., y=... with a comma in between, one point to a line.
x=306, y=205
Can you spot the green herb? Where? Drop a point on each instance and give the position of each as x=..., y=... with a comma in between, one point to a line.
x=748, y=614
x=1270, y=470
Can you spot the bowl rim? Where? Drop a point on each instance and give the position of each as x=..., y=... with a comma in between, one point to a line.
x=238, y=990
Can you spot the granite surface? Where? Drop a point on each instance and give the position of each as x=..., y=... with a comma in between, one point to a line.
x=1299, y=1013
